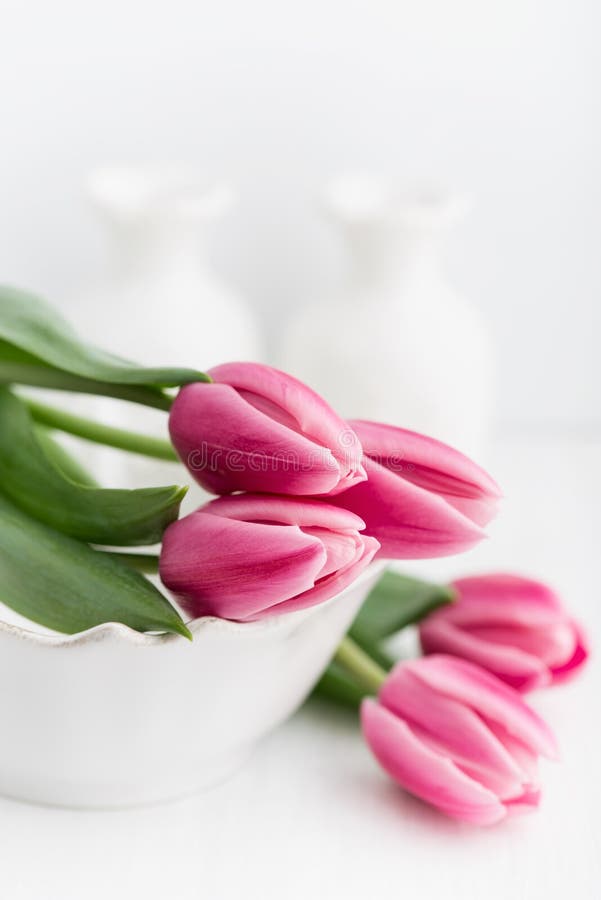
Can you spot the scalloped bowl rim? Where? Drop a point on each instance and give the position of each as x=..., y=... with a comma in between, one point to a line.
x=118, y=630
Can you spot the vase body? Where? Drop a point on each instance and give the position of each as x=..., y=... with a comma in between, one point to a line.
x=398, y=344
x=161, y=302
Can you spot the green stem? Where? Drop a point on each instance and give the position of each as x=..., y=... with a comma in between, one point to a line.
x=147, y=563
x=338, y=686
x=54, y=379
x=101, y=434
x=366, y=672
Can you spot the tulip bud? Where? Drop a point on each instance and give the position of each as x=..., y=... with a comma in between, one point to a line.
x=514, y=627
x=458, y=738
x=250, y=556
x=422, y=498
x=257, y=429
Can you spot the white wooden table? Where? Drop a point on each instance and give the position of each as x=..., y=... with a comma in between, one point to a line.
x=311, y=815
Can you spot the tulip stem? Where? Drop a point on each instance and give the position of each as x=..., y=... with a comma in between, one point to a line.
x=98, y=433
x=360, y=665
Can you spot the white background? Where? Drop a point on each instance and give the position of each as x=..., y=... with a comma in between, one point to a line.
x=498, y=98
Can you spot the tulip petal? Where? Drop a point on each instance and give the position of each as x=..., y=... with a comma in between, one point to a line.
x=248, y=556
x=296, y=401
x=552, y=643
x=504, y=588
x=513, y=626
x=341, y=549
x=432, y=465
x=488, y=696
x=480, y=510
x=564, y=672
x=240, y=448
x=330, y=585
x=495, y=612
x=525, y=758
x=288, y=510
x=261, y=563
x=408, y=521
x=453, y=729
x=527, y=802
x=425, y=773
x=522, y=670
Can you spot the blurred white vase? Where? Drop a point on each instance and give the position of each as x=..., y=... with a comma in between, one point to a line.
x=398, y=345
x=161, y=302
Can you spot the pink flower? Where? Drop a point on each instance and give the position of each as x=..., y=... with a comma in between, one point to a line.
x=458, y=738
x=257, y=429
x=514, y=627
x=421, y=498
x=250, y=556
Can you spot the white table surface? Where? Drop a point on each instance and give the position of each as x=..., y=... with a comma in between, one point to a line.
x=312, y=816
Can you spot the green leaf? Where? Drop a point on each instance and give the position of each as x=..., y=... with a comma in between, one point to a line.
x=62, y=459
x=37, y=346
x=40, y=478
x=395, y=602
x=18, y=367
x=65, y=585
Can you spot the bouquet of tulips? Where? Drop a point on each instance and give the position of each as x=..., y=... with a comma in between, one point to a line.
x=306, y=501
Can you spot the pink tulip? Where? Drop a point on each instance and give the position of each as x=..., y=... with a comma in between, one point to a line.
x=250, y=556
x=458, y=738
x=421, y=498
x=514, y=627
x=257, y=429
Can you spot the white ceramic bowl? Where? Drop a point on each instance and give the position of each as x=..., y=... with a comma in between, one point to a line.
x=111, y=717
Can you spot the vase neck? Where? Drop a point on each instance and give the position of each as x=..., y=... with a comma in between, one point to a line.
x=144, y=249
x=158, y=217
x=392, y=231
x=390, y=257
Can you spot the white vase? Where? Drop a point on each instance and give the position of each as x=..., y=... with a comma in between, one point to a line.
x=169, y=305
x=161, y=303
x=398, y=345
